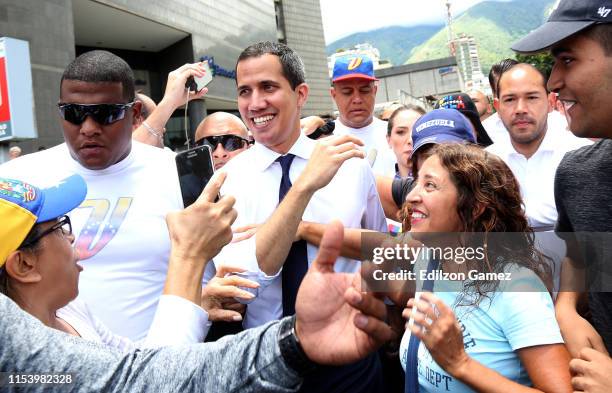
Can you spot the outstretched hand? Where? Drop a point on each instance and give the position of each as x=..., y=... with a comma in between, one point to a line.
x=336, y=322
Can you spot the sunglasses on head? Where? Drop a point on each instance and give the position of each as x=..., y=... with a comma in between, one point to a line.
x=103, y=114
x=229, y=142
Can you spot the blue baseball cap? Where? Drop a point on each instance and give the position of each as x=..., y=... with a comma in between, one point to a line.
x=353, y=67
x=441, y=126
x=23, y=205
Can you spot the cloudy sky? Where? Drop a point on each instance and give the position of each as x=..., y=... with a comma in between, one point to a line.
x=344, y=17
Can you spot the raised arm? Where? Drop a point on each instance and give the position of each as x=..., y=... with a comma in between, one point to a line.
x=174, y=96
x=275, y=236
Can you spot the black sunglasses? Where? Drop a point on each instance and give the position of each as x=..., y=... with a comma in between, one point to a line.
x=63, y=223
x=229, y=142
x=103, y=114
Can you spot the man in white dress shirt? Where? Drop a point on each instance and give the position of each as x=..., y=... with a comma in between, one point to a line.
x=325, y=180
x=354, y=88
x=535, y=150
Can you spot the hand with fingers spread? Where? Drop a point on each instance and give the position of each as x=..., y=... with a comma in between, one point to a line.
x=220, y=294
x=197, y=234
x=435, y=324
x=592, y=372
x=336, y=322
x=326, y=159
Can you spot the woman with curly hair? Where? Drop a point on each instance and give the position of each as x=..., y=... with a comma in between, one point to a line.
x=475, y=333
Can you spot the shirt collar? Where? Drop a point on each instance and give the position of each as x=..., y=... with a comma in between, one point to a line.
x=264, y=157
x=548, y=144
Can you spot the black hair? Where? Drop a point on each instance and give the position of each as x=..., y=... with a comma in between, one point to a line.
x=408, y=107
x=544, y=78
x=292, y=65
x=496, y=70
x=101, y=66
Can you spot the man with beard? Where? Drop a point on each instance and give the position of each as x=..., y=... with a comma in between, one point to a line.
x=535, y=149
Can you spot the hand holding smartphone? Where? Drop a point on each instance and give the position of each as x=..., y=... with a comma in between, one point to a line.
x=197, y=83
x=195, y=169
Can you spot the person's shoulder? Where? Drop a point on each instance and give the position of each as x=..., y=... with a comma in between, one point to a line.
x=75, y=309
x=378, y=123
x=575, y=160
x=140, y=148
x=499, y=149
x=519, y=278
x=34, y=166
x=241, y=162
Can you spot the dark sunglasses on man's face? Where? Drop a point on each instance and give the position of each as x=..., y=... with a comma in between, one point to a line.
x=103, y=114
x=229, y=142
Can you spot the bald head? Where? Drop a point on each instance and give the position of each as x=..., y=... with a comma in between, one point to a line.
x=222, y=123
x=14, y=152
x=482, y=103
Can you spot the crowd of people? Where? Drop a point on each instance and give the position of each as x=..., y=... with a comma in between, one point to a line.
x=264, y=284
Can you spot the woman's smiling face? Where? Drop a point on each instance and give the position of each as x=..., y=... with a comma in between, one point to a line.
x=434, y=200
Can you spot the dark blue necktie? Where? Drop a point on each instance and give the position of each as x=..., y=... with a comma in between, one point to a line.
x=296, y=264
x=412, y=377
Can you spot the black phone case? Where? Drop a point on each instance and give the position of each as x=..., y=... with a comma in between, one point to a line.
x=195, y=168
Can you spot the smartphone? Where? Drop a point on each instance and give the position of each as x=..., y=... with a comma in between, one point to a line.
x=199, y=82
x=195, y=169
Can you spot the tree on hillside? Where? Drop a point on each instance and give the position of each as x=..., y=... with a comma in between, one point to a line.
x=542, y=61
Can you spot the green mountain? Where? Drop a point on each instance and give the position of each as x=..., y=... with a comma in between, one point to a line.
x=394, y=43
x=495, y=25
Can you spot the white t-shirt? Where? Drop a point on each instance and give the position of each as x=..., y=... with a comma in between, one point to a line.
x=373, y=136
x=253, y=178
x=177, y=321
x=519, y=314
x=120, y=229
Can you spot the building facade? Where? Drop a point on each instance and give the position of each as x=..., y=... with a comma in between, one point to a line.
x=469, y=63
x=156, y=37
x=433, y=78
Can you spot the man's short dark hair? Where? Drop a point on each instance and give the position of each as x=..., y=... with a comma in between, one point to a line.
x=496, y=70
x=101, y=66
x=292, y=65
x=544, y=79
x=602, y=33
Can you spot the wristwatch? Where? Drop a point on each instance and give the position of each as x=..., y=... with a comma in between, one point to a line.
x=291, y=349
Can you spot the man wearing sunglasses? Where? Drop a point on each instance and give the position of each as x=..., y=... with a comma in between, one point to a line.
x=120, y=228
x=226, y=135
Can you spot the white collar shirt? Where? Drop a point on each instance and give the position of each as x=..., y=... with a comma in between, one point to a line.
x=253, y=178
x=536, y=175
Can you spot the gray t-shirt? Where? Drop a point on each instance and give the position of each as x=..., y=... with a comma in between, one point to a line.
x=583, y=195
x=248, y=362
